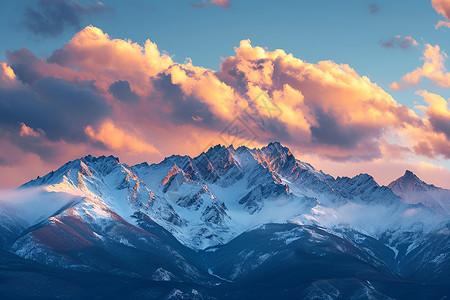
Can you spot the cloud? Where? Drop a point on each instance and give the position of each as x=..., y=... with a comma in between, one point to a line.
x=374, y=8
x=24, y=63
x=317, y=99
x=117, y=138
x=50, y=110
x=329, y=132
x=181, y=100
x=28, y=131
x=438, y=112
x=121, y=90
x=442, y=23
x=6, y=72
x=402, y=42
x=223, y=3
x=93, y=52
x=442, y=7
x=50, y=18
x=433, y=68
x=314, y=99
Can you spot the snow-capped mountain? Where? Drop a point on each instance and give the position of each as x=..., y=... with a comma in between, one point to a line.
x=227, y=219
x=413, y=190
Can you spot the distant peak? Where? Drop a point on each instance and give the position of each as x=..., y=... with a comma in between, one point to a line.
x=410, y=176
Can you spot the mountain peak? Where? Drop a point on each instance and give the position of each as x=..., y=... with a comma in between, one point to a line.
x=102, y=158
x=409, y=174
x=276, y=149
x=277, y=145
x=413, y=190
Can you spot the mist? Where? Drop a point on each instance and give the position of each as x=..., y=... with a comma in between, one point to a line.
x=33, y=205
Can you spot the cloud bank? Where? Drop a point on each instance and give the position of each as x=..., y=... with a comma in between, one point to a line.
x=99, y=94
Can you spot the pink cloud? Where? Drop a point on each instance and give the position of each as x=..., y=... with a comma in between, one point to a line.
x=443, y=8
x=223, y=3
x=432, y=68
x=442, y=23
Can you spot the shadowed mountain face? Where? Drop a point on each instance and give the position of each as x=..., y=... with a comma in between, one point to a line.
x=229, y=223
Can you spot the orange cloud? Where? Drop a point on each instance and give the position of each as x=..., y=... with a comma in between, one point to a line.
x=438, y=114
x=6, y=72
x=103, y=60
x=443, y=8
x=7, y=76
x=28, y=131
x=117, y=138
x=433, y=68
x=339, y=113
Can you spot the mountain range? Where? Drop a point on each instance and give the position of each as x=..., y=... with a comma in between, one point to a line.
x=227, y=224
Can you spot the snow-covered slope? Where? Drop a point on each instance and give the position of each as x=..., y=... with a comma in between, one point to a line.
x=210, y=199
x=412, y=190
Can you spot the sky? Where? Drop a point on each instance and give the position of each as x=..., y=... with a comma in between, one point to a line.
x=350, y=86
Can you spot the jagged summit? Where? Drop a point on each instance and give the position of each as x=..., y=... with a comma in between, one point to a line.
x=103, y=158
x=409, y=178
x=409, y=175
